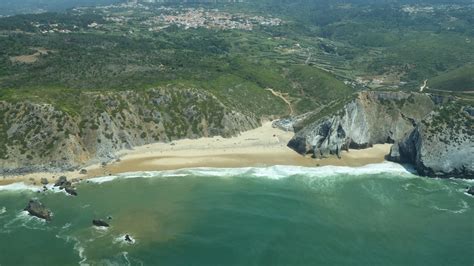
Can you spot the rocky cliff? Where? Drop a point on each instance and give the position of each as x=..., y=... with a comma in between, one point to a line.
x=36, y=136
x=406, y=119
x=442, y=145
x=371, y=118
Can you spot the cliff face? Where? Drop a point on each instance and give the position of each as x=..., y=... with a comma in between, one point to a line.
x=442, y=145
x=371, y=118
x=432, y=132
x=40, y=136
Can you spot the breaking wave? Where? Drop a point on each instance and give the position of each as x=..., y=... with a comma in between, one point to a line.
x=272, y=172
x=20, y=186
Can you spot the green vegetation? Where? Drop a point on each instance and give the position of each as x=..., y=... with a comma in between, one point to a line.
x=321, y=54
x=460, y=79
x=451, y=117
x=318, y=86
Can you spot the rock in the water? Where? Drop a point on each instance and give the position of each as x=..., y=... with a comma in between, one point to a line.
x=44, y=181
x=129, y=239
x=100, y=223
x=83, y=172
x=470, y=191
x=61, y=181
x=37, y=209
x=71, y=190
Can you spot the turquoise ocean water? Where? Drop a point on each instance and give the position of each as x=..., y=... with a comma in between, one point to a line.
x=373, y=215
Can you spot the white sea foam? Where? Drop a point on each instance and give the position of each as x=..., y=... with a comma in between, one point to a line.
x=125, y=254
x=21, y=186
x=23, y=219
x=463, y=207
x=101, y=229
x=3, y=210
x=66, y=226
x=271, y=172
x=121, y=240
x=80, y=251
x=77, y=246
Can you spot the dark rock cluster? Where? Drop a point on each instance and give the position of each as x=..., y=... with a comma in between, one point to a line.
x=63, y=183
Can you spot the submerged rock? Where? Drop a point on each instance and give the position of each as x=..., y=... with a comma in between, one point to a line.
x=128, y=239
x=470, y=191
x=100, y=223
x=71, y=191
x=37, y=209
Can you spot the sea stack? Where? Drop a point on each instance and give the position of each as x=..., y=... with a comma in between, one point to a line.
x=37, y=209
x=100, y=223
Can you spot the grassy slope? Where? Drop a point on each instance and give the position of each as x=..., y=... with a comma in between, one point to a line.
x=460, y=79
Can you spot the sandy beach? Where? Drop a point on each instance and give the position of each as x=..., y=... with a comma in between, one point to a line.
x=263, y=146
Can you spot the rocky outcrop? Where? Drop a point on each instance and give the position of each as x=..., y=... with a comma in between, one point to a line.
x=442, y=145
x=63, y=183
x=100, y=223
x=371, y=118
x=71, y=190
x=434, y=133
x=129, y=239
x=37, y=209
x=470, y=191
x=92, y=127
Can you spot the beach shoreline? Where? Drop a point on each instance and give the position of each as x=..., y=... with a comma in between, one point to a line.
x=260, y=147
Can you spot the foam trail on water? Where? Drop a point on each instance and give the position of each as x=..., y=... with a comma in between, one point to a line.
x=463, y=207
x=23, y=219
x=77, y=246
